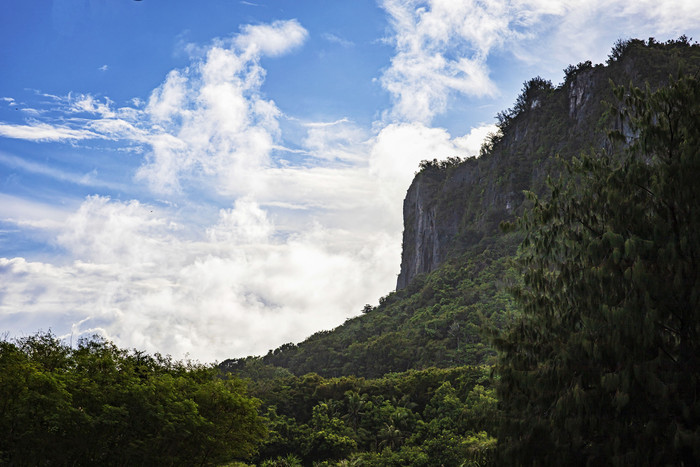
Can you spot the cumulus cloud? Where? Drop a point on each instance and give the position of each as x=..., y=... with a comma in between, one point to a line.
x=271, y=39
x=284, y=241
x=303, y=243
x=251, y=277
x=231, y=291
x=399, y=148
x=211, y=118
x=441, y=48
x=273, y=266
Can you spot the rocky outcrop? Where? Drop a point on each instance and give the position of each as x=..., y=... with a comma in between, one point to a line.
x=450, y=208
x=447, y=210
x=424, y=246
x=580, y=87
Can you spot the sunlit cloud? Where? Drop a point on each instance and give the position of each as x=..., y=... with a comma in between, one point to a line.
x=270, y=39
x=37, y=131
x=211, y=118
x=441, y=49
x=137, y=281
x=301, y=228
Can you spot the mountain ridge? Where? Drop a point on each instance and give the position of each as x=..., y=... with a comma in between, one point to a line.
x=449, y=206
x=456, y=263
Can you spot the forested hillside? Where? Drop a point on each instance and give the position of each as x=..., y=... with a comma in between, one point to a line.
x=435, y=316
x=563, y=261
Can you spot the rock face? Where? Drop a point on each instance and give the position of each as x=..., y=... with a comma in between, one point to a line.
x=444, y=213
x=424, y=251
x=451, y=208
x=424, y=246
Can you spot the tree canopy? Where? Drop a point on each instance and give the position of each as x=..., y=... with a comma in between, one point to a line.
x=601, y=363
x=100, y=405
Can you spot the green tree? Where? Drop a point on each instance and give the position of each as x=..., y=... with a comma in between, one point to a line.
x=330, y=438
x=601, y=365
x=101, y=405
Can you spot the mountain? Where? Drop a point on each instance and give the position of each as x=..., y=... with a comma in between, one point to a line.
x=452, y=205
x=456, y=264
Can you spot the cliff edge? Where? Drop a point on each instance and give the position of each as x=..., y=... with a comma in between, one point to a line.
x=455, y=205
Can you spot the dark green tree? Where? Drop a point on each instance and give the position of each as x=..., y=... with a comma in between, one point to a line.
x=601, y=364
x=101, y=405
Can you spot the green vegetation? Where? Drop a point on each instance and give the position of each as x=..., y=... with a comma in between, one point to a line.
x=100, y=405
x=596, y=361
x=601, y=364
x=430, y=418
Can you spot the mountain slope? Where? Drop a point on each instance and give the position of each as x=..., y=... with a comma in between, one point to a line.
x=456, y=263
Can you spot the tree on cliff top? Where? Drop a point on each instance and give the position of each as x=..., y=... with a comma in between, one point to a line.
x=602, y=363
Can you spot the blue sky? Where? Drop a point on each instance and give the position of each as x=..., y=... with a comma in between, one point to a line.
x=213, y=179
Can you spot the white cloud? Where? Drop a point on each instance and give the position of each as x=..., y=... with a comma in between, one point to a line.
x=246, y=223
x=556, y=34
x=271, y=39
x=442, y=46
x=87, y=103
x=471, y=143
x=231, y=292
x=37, y=131
x=340, y=140
x=83, y=117
x=211, y=117
x=399, y=148
x=281, y=248
x=274, y=266
x=166, y=102
x=330, y=37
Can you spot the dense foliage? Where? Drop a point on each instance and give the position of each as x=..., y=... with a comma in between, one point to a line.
x=423, y=418
x=603, y=363
x=99, y=405
x=436, y=319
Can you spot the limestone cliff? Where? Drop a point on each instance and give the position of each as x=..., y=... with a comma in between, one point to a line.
x=451, y=207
